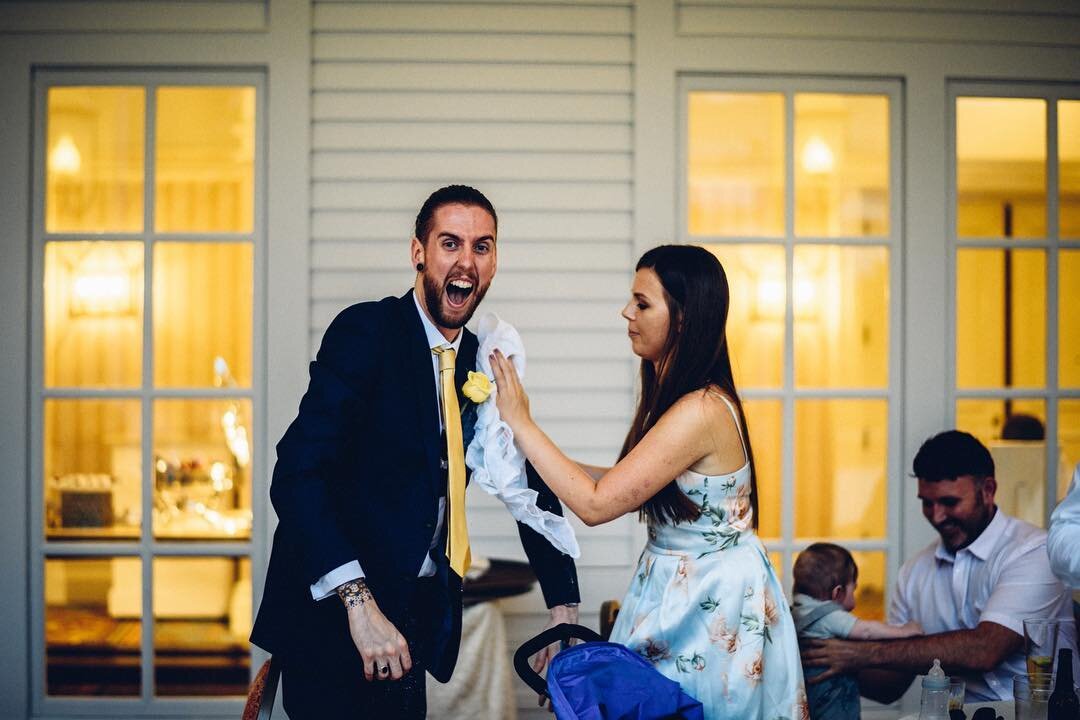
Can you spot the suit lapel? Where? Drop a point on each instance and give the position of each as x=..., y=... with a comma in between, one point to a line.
x=418, y=370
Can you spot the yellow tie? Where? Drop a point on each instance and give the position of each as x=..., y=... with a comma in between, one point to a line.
x=457, y=543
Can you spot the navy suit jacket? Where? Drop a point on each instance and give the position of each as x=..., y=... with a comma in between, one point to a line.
x=359, y=476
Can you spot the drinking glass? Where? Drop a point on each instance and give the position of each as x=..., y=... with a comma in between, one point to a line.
x=956, y=694
x=1031, y=695
x=1040, y=645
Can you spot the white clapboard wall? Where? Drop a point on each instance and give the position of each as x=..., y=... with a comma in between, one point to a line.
x=1031, y=22
x=133, y=16
x=531, y=103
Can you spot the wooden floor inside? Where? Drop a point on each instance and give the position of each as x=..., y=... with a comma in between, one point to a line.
x=91, y=654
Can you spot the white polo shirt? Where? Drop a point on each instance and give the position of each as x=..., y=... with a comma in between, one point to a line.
x=1002, y=577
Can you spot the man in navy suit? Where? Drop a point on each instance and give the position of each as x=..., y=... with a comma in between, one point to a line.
x=360, y=600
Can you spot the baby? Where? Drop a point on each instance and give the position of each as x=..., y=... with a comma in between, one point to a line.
x=825, y=581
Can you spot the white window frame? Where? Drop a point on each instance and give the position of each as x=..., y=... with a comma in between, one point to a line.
x=1052, y=243
x=147, y=547
x=788, y=545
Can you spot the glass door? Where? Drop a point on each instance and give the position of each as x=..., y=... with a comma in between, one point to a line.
x=1015, y=172
x=794, y=185
x=147, y=240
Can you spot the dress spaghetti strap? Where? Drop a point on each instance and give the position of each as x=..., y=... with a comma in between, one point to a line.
x=738, y=426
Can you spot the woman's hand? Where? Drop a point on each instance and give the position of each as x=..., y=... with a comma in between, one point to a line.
x=510, y=396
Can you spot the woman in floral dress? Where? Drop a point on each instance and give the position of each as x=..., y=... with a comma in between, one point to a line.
x=704, y=606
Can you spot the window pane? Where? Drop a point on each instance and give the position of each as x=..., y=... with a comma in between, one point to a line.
x=202, y=619
x=1000, y=318
x=841, y=316
x=93, y=314
x=93, y=466
x=202, y=314
x=841, y=165
x=92, y=627
x=202, y=469
x=1068, y=443
x=870, y=591
x=755, y=324
x=205, y=154
x=778, y=565
x=1069, y=167
x=1000, y=167
x=840, y=459
x=765, y=423
x=735, y=161
x=94, y=160
x=1015, y=433
x=1069, y=318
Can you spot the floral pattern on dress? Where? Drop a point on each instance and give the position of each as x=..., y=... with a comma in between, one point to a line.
x=654, y=650
x=706, y=609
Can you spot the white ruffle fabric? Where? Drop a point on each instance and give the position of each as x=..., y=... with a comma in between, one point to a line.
x=496, y=463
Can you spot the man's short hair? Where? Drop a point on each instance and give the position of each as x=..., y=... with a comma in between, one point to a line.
x=952, y=454
x=821, y=567
x=450, y=195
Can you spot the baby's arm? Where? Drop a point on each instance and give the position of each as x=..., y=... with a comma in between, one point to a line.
x=874, y=630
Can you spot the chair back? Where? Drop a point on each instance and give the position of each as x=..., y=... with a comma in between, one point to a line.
x=263, y=690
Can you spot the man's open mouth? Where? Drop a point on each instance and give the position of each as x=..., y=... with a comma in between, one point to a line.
x=458, y=292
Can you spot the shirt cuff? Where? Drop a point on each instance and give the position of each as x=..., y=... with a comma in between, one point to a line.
x=326, y=586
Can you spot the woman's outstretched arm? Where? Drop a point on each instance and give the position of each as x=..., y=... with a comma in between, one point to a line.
x=678, y=440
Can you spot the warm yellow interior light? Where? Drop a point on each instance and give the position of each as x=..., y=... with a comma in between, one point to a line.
x=106, y=293
x=219, y=477
x=817, y=157
x=236, y=436
x=770, y=298
x=65, y=158
x=805, y=296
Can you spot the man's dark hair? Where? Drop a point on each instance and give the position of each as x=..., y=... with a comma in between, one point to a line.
x=821, y=567
x=950, y=455
x=450, y=195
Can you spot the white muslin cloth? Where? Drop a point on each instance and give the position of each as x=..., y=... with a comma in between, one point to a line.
x=496, y=463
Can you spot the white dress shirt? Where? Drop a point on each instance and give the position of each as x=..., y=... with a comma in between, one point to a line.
x=1002, y=577
x=1063, y=539
x=328, y=583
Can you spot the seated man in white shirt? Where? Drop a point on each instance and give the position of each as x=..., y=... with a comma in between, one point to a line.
x=970, y=590
x=1063, y=540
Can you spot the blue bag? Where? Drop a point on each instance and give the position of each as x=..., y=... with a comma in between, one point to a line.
x=603, y=681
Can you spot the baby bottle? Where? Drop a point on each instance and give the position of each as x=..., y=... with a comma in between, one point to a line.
x=935, y=694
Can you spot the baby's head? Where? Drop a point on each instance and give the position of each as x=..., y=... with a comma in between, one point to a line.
x=827, y=572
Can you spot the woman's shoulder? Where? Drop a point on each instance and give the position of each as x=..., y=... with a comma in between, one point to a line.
x=708, y=408
x=707, y=401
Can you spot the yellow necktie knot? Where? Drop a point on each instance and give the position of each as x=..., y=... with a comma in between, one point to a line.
x=457, y=541
x=447, y=358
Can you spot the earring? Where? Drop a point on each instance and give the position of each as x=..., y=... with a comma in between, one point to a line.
x=419, y=267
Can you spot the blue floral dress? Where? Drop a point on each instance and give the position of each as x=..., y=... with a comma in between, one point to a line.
x=706, y=609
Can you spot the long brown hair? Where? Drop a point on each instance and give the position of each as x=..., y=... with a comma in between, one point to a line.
x=695, y=357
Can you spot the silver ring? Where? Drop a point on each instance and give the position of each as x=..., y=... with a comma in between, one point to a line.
x=384, y=669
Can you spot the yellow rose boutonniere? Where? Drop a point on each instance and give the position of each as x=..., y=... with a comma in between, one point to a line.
x=477, y=387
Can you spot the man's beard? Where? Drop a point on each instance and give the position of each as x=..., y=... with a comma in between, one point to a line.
x=973, y=526
x=433, y=295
